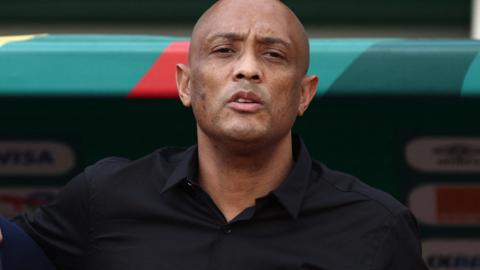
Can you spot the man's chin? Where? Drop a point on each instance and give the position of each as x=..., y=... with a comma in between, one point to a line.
x=241, y=133
x=245, y=136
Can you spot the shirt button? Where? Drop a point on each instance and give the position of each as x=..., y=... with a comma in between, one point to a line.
x=226, y=229
x=189, y=183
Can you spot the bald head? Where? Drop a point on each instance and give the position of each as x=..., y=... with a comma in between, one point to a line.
x=271, y=18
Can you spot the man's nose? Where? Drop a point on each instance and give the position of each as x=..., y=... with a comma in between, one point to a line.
x=248, y=68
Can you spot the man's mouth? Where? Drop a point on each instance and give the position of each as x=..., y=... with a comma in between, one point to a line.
x=245, y=101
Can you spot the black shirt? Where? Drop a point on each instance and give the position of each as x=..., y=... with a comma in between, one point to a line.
x=151, y=214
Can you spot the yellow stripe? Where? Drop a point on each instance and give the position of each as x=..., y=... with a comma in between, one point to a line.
x=7, y=39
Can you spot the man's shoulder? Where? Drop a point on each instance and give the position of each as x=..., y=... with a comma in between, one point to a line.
x=159, y=163
x=346, y=189
x=131, y=184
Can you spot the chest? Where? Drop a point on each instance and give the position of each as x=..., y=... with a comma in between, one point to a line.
x=153, y=244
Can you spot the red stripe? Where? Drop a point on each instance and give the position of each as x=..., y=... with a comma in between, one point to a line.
x=159, y=81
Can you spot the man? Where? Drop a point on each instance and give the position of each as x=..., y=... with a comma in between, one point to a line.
x=248, y=196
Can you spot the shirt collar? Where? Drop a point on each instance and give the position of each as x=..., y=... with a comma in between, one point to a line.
x=291, y=191
x=185, y=170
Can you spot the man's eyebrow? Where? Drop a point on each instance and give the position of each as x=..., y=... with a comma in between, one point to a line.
x=274, y=40
x=236, y=36
x=226, y=35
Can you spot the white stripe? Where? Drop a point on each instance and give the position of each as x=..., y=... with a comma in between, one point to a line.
x=475, y=19
x=7, y=39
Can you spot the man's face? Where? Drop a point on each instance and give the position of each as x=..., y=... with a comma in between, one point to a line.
x=246, y=75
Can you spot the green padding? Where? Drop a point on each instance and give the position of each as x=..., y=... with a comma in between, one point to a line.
x=77, y=65
x=111, y=65
x=472, y=79
x=330, y=58
x=410, y=68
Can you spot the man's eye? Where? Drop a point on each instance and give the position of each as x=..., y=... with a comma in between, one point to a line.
x=275, y=55
x=224, y=50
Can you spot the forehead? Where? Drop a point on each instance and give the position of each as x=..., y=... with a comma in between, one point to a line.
x=260, y=18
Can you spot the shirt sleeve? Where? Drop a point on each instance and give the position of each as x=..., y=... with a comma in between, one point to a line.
x=62, y=227
x=401, y=248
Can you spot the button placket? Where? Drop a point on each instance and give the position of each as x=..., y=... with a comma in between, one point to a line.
x=227, y=229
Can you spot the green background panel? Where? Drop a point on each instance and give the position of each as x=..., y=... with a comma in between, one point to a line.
x=409, y=67
x=472, y=78
x=330, y=58
x=111, y=65
x=72, y=64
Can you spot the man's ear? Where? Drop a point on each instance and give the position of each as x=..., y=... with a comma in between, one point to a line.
x=308, y=90
x=183, y=84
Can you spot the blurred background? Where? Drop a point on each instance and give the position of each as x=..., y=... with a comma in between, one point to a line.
x=341, y=18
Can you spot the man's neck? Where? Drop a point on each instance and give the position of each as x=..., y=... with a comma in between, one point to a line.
x=235, y=179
